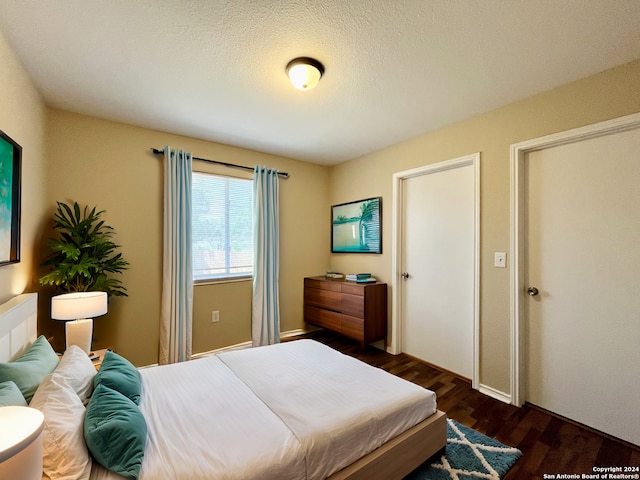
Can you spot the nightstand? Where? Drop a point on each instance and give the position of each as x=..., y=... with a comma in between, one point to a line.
x=100, y=353
x=97, y=361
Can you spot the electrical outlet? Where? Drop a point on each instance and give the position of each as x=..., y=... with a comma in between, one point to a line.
x=215, y=316
x=500, y=260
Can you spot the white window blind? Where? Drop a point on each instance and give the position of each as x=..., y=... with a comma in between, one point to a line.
x=222, y=226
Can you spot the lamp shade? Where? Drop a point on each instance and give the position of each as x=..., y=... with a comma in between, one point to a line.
x=21, y=443
x=79, y=307
x=72, y=306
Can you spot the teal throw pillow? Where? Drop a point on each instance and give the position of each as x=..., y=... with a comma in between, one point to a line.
x=11, y=396
x=118, y=373
x=28, y=371
x=115, y=432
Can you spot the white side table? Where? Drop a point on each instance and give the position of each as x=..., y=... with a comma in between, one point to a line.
x=21, y=443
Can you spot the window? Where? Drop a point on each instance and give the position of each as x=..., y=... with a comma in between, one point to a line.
x=222, y=227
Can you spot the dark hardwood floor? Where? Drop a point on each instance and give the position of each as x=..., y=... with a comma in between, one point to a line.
x=550, y=445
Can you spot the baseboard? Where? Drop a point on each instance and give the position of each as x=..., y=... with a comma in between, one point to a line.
x=296, y=332
x=493, y=393
x=237, y=346
x=247, y=344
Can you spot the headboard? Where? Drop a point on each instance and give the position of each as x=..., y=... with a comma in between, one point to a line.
x=18, y=325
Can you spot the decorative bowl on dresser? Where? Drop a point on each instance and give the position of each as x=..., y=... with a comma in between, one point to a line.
x=355, y=310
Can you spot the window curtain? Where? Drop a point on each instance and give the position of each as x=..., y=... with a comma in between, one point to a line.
x=265, y=322
x=177, y=282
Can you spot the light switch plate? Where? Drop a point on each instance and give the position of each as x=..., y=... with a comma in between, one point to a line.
x=500, y=260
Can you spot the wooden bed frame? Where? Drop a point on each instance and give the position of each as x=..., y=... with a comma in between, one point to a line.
x=392, y=461
x=402, y=454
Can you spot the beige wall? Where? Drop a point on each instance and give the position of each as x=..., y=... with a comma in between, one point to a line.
x=23, y=118
x=601, y=97
x=109, y=164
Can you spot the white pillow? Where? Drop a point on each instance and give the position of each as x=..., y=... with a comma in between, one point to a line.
x=65, y=455
x=76, y=368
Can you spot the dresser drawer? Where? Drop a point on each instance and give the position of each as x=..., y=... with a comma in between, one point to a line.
x=353, y=289
x=352, y=305
x=322, y=284
x=323, y=298
x=352, y=327
x=322, y=318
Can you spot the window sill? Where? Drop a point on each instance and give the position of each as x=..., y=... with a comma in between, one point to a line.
x=214, y=281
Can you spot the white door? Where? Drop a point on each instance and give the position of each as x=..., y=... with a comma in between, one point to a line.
x=583, y=250
x=438, y=253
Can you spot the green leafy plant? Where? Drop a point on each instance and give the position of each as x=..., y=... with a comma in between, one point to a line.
x=83, y=256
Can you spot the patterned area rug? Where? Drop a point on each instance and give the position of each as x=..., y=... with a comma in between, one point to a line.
x=468, y=455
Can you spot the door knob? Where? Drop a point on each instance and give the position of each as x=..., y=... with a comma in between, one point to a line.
x=404, y=275
x=533, y=291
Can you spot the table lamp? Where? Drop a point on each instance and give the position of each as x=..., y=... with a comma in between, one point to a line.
x=78, y=307
x=21, y=443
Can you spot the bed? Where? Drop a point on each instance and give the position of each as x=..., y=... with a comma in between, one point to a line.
x=295, y=410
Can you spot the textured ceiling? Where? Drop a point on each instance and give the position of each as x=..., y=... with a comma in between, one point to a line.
x=394, y=69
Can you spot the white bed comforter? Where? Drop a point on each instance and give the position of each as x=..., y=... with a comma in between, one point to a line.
x=338, y=407
x=203, y=422
x=296, y=410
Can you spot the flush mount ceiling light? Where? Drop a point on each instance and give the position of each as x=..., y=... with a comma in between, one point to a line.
x=304, y=72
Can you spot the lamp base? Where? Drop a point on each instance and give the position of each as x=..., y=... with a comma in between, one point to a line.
x=79, y=332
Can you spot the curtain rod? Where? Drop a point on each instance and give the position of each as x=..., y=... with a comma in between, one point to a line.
x=231, y=165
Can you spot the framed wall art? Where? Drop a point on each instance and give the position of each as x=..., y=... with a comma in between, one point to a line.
x=356, y=227
x=10, y=173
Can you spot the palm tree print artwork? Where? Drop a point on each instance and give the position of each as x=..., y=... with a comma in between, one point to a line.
x=356, y=227
x=10, y=158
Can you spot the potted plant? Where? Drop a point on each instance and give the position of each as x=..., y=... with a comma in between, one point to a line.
x=83, y=257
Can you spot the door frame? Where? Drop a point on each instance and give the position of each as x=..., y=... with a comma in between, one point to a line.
x=518, y=157
x=397, y=244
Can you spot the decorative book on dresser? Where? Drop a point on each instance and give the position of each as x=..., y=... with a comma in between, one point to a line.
x=355, y=310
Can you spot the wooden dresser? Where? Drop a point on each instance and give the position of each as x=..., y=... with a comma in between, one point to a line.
x=355, y=310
